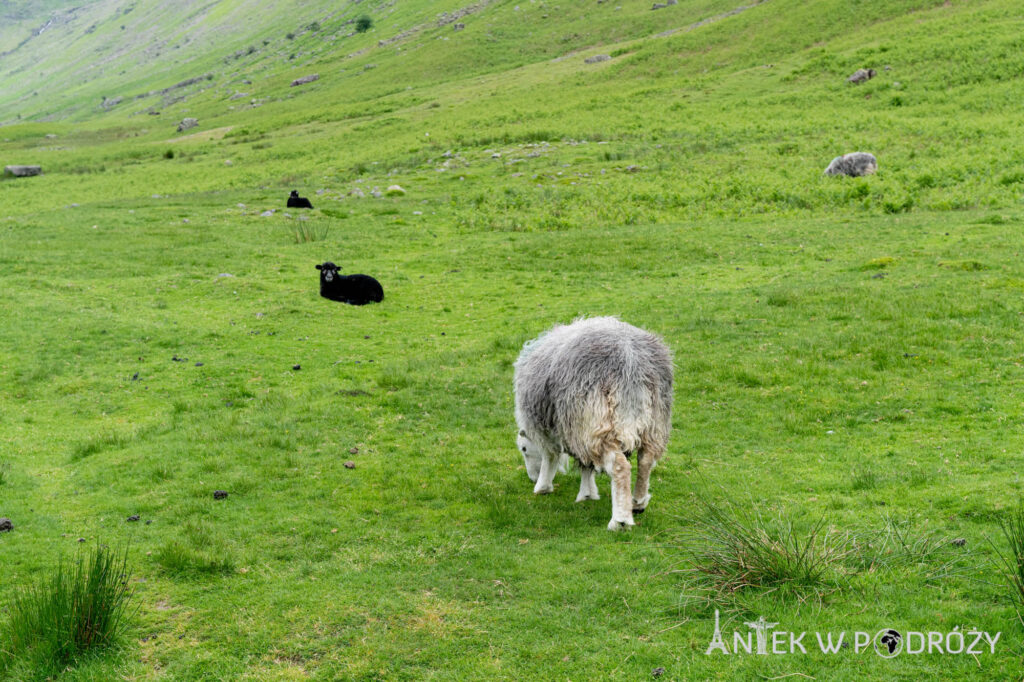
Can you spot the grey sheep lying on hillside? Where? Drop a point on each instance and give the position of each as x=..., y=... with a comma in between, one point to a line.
x=598, y=389
x=854, y=164
x=352, y=289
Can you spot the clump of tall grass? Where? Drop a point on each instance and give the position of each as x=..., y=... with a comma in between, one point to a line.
x=305, y=231
x=730, y=548
x=80, y=607
x=1011, y=563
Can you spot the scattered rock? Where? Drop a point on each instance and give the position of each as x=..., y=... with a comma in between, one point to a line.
x=306, y=79
x=81, y=539
x=267, y=214
x=353, y=451
x=296, y=367
x=187, y=123
x=22, y=171
x=861, y=75
x=596, y=59
x=133, y=517
x=960, y=542
x=458, y=27
x=376, y=193
x=659, y=5
x=632, y=169
x=199, y=364
x=220, y=494
x=110, y=103
x=6, y=525
x=395, y=191
x=350, y=464
x=357, y=193
x=854, y=165
x=658, y=672
x=135, y=377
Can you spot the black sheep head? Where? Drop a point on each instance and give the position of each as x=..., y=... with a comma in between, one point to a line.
x=295, y=194
x=328, y=271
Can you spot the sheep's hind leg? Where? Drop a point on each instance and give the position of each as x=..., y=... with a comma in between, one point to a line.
x=548, y=469
x=588, y=486
x=618, y=467
x=645, y=460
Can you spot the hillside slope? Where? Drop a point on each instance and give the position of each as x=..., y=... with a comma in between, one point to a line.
x=724, y=108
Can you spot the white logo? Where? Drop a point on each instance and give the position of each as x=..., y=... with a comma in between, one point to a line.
x=763, y=638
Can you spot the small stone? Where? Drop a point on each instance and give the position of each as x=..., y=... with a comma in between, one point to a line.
x=133, y=517
x=81, y=539
x=296, y=367
x=199, y=364
x=149, y=521
x=960, y=542
x=220, y=494
x=658, y=672
x=350, y=464
x=6, y=525
x=353, y=451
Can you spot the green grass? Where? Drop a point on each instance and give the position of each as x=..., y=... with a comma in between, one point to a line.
x=77, y=609
x=1011, y=563
x=847, y=350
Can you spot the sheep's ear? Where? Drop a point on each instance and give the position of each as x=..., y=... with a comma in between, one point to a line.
x=319, y=267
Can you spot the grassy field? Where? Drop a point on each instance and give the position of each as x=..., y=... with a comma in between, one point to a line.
x=848, y=351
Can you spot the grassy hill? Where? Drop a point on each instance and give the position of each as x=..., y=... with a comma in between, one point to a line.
x=847, y=349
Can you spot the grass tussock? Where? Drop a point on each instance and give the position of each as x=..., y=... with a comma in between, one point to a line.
x=305, y=231
x=730, y=548
x=1011, y=562
x=80, y=607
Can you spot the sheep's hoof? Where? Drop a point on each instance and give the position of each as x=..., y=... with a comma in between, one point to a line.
x=620, y=525
x=543, y=491
x=640, y=505
x=587, y=496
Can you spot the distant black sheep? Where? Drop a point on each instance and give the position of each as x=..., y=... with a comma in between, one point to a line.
x=295, y=201
x=353, y=289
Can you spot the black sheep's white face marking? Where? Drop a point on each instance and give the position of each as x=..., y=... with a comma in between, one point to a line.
x=329, y=275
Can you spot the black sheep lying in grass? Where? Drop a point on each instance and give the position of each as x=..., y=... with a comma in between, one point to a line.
x=353, y=289
x=295, y=201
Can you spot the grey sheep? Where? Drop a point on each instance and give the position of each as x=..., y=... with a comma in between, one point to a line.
x=598, y=389
x=854, y=164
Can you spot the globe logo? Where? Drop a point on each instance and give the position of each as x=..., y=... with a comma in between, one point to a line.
x=888, y=643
